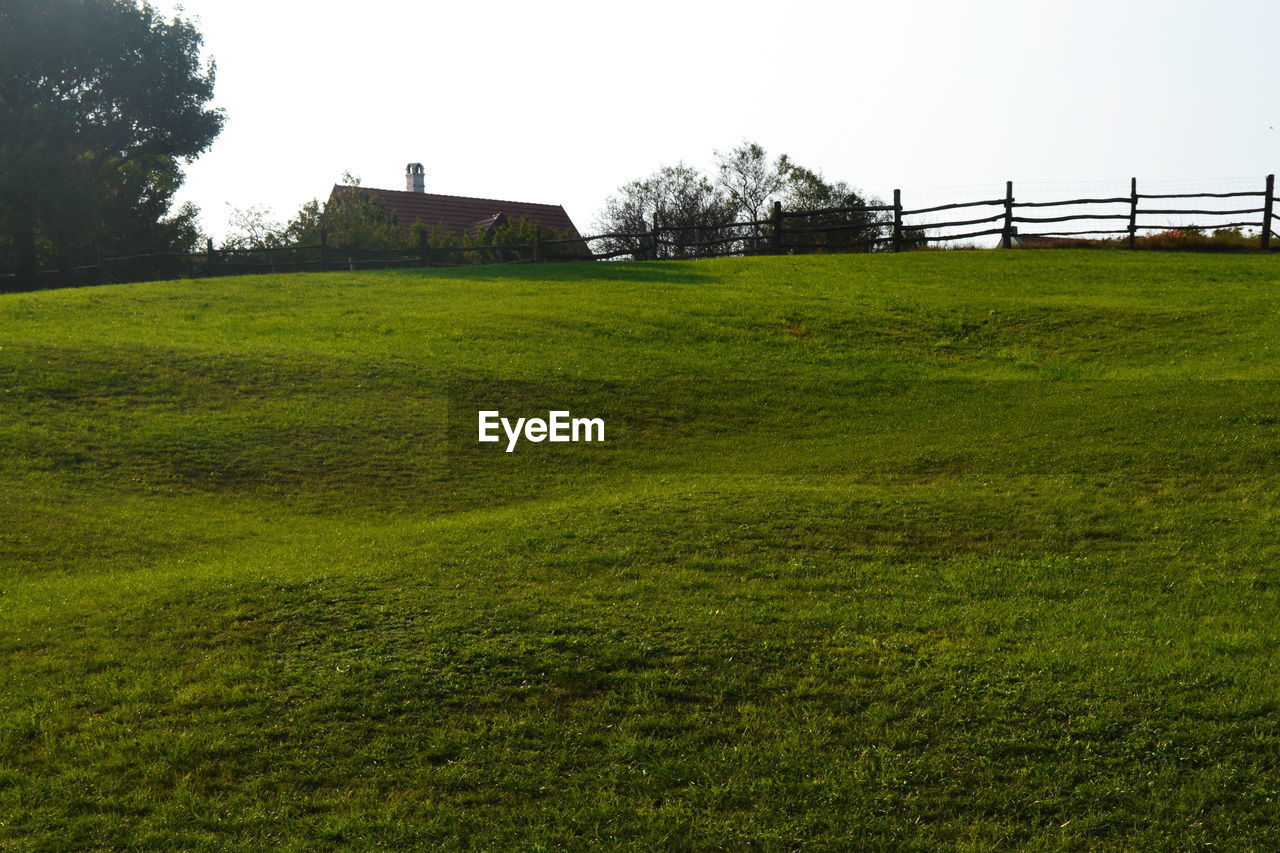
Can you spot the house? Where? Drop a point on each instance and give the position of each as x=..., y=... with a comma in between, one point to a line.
x=462, y=215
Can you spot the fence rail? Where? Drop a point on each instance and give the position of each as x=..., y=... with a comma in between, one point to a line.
x=870, y=227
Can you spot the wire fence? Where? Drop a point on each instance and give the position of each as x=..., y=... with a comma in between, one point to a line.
x=1038, y=214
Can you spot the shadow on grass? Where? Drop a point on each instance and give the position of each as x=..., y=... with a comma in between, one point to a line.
x=668, y=272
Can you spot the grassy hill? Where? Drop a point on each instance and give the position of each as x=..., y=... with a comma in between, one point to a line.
x=933, y=551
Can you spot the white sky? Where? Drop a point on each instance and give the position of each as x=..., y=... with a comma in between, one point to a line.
x=563, y=102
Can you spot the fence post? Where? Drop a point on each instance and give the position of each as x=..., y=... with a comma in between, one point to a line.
x=1006, y=236
x=324, y=250
x=1133, y=213
x=537, y=244
x=210, y=258
x=653, y=239
x=424, y=251
x=777, y=228
x=897, y=220
x=1266, y=212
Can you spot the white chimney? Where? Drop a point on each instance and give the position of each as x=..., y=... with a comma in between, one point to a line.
x=415, y=178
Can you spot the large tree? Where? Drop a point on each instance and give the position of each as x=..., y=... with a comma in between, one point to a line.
x=100, y=103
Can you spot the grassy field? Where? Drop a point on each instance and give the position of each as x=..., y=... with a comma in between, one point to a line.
x=956, y=551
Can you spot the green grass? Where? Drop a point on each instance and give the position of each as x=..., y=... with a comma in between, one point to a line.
x=935, y=551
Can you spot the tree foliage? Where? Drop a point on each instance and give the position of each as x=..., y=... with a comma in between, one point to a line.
x=100, y=101
x=732, y=211
x=749, y=179
x=351, y=219
x=678, y=197
x=845, y=230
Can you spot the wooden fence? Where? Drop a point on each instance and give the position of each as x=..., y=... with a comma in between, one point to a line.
x=875, y=228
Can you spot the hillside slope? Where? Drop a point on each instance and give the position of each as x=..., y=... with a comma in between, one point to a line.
x=965, y=550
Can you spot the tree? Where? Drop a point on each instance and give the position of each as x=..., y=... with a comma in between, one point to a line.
x=751, y=182
x=679, y=198
x=253, y=228
x=100, y=102
x=754, y=183
x=749, y=179
x=351, y=219
x=731, y=214
x=804, y=189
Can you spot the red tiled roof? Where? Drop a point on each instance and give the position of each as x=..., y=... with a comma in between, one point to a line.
x=460, y=214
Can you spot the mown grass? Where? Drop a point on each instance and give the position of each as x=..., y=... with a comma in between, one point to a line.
x=969, y=551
